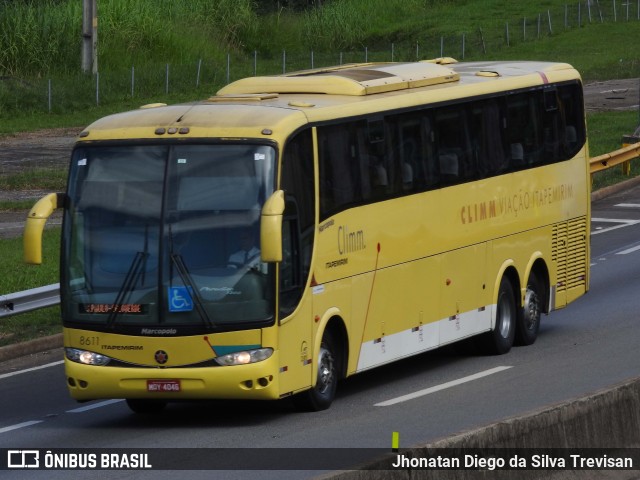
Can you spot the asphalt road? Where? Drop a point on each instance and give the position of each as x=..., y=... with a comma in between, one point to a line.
x=588, y=346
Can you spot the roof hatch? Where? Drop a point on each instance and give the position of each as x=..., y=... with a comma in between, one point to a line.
x=355, y=79
x=243, y=97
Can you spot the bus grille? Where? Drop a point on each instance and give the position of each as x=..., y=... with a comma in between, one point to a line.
x=569, y=253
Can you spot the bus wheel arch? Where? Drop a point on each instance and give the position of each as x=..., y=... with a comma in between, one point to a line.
x=336, y=328
x=541, y=271
x=330, y=367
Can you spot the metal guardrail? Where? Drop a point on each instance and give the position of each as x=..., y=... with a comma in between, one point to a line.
x=617, y=157
x=28, y=300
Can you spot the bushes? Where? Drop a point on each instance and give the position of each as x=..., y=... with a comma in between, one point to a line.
x=37, y=38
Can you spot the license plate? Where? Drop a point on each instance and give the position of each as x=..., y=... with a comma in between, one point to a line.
x=163, y=385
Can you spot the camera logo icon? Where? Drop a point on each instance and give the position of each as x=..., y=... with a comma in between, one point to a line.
x=23, y=459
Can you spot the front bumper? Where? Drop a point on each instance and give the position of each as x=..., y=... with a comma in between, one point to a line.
x=253, y=381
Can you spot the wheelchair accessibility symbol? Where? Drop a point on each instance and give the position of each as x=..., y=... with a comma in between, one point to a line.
x=180, y=299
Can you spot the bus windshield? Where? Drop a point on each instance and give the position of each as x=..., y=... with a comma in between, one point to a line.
x=167, y=235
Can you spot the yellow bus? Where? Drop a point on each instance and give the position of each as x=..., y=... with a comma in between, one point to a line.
x=294, y=230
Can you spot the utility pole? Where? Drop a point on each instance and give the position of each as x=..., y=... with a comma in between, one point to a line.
x=90, y=36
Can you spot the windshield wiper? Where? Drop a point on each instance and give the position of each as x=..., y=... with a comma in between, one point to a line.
x=185, y=276
x=136, y=269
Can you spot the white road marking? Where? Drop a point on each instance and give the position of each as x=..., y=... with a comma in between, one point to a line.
x=35, y=422
x=629, y=250
x=27, y=370
x=94, y=406
x=628, y=205
x=437, y=388
x=19, y=425
x=622, y=223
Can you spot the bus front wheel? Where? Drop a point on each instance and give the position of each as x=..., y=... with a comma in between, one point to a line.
x=321, y=395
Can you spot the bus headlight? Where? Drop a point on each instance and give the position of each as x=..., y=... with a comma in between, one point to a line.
x=85, y=357
x=245, y=357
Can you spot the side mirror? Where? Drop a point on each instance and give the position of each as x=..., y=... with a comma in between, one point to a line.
x=34, y=226
x=271, y=228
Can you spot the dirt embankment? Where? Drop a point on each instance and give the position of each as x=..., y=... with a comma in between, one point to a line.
x=24, y=151
x=612, y=95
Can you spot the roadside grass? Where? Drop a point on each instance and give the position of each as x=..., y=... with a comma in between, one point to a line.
x=29, y=326
x=605, y=130
x=15, y=205
x=29, y=121
x=17, y=276
x=35, y=178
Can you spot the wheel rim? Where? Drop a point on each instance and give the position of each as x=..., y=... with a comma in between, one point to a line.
x=504, y=316
x=531, y=309
x=326, y=371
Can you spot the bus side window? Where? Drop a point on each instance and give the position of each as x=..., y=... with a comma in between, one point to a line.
x=457, y=164
x=516, y=122
x=409, y=154
x=290, y=271
x=553, y=127
x=371, y=177
x=428, y=169
x=299, y=220
x=523, y=132
x=488, y=143
x=571, y=106
x=297, y=175
x=380, y=168
x=364, y=161
x=336, y=184
x=535, y=133
x=360, y=179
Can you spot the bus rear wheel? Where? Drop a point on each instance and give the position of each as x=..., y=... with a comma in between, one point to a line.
x=500, y=339
x=529, y=318
x=320, y=396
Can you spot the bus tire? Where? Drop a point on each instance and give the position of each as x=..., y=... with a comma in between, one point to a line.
x=145, y=406
x=321, y=395
x=529, y=318
x=500, y=340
